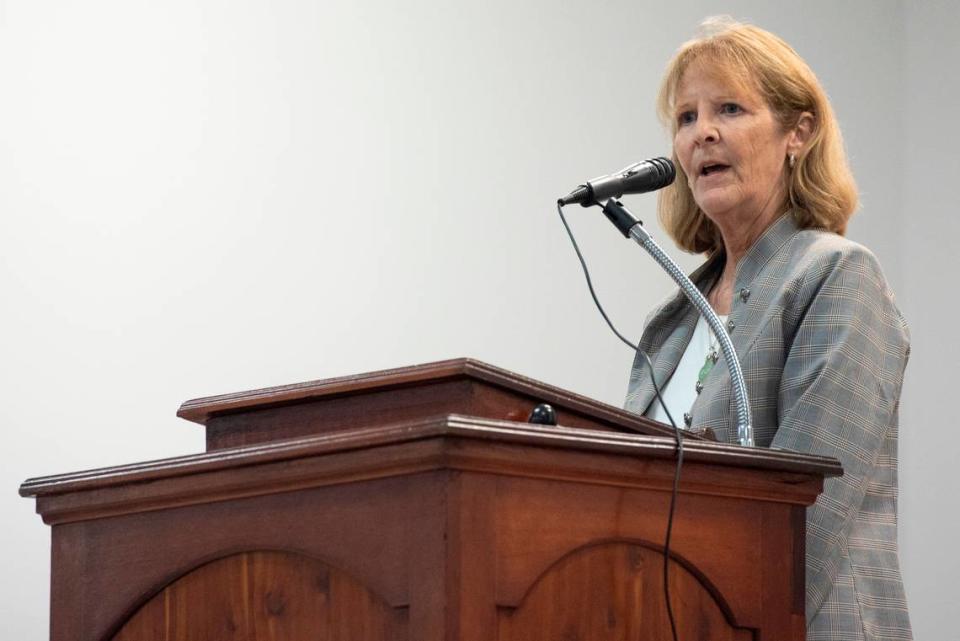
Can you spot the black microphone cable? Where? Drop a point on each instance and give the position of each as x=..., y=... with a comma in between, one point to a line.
x=678, y=434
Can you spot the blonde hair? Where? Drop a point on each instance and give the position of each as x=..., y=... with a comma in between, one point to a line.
x=821, y=192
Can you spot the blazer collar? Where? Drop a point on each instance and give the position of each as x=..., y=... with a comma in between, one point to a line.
x=765, y=248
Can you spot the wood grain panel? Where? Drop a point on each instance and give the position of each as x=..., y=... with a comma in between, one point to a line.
x=614, y=592
x=265, y=596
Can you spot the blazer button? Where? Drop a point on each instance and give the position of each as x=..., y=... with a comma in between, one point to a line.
x=698, y=386
x=730, y=325
x=744, y=294
x=687, y=419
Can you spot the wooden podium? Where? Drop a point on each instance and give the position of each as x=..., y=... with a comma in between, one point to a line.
x=417, y=504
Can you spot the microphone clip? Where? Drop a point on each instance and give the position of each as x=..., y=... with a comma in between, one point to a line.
x=622, y=219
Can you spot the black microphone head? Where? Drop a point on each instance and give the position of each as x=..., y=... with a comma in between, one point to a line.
x=669, y=171
x=649, y=175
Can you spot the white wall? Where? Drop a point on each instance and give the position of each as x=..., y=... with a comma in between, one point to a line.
x=930, y=526
x=206, y=197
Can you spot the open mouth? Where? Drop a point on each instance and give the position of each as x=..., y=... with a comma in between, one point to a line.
x=715, y=168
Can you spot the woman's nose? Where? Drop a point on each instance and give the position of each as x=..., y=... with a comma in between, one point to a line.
x=706, y=130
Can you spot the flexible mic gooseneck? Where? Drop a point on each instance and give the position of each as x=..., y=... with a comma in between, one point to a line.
x=633, y=228
x=638, y=178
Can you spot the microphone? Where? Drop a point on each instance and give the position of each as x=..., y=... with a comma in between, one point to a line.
x=638, y=178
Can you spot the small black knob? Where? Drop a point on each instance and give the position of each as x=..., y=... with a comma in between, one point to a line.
x=543, y=414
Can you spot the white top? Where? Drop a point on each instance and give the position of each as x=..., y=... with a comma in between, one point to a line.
x=680, y=391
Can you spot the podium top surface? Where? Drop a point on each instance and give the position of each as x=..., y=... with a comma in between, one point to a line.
x=457, y=386
x=450, y=442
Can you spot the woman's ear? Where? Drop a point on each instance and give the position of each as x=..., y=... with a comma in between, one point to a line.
x=801, y=134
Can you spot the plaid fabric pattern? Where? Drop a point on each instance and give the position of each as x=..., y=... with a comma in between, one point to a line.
x=823, y=349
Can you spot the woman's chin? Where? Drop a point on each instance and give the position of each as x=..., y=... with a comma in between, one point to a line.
x=715, y=196
x=716, y=205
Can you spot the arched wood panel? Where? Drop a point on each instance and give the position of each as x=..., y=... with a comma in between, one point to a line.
x=614, y=592
x=265, y=596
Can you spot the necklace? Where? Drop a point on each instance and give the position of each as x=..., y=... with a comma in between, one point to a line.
x=712, y=356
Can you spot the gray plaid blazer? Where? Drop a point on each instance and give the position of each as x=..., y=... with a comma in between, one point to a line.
x=823, y=349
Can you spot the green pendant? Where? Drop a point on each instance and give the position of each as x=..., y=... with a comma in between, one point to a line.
x=707, y=366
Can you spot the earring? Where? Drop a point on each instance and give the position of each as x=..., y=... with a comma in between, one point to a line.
x=793, y=161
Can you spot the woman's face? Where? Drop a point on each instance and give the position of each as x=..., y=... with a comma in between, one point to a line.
x=730, y=146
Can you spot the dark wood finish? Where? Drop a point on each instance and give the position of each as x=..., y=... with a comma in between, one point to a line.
x=448, y=527
x=269, y=596
x=452, y=442
x=624, y=583
x=458, y=386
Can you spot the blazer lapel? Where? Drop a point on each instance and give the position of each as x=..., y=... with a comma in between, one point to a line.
x=759, y=274
x=672, y=344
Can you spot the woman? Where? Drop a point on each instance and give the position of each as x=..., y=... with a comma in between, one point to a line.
x=764, y=190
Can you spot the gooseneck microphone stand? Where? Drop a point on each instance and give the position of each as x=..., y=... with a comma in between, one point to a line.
x=630, y=227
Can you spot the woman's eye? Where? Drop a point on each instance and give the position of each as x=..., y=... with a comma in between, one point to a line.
x=730, y=108
x=686, y=117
